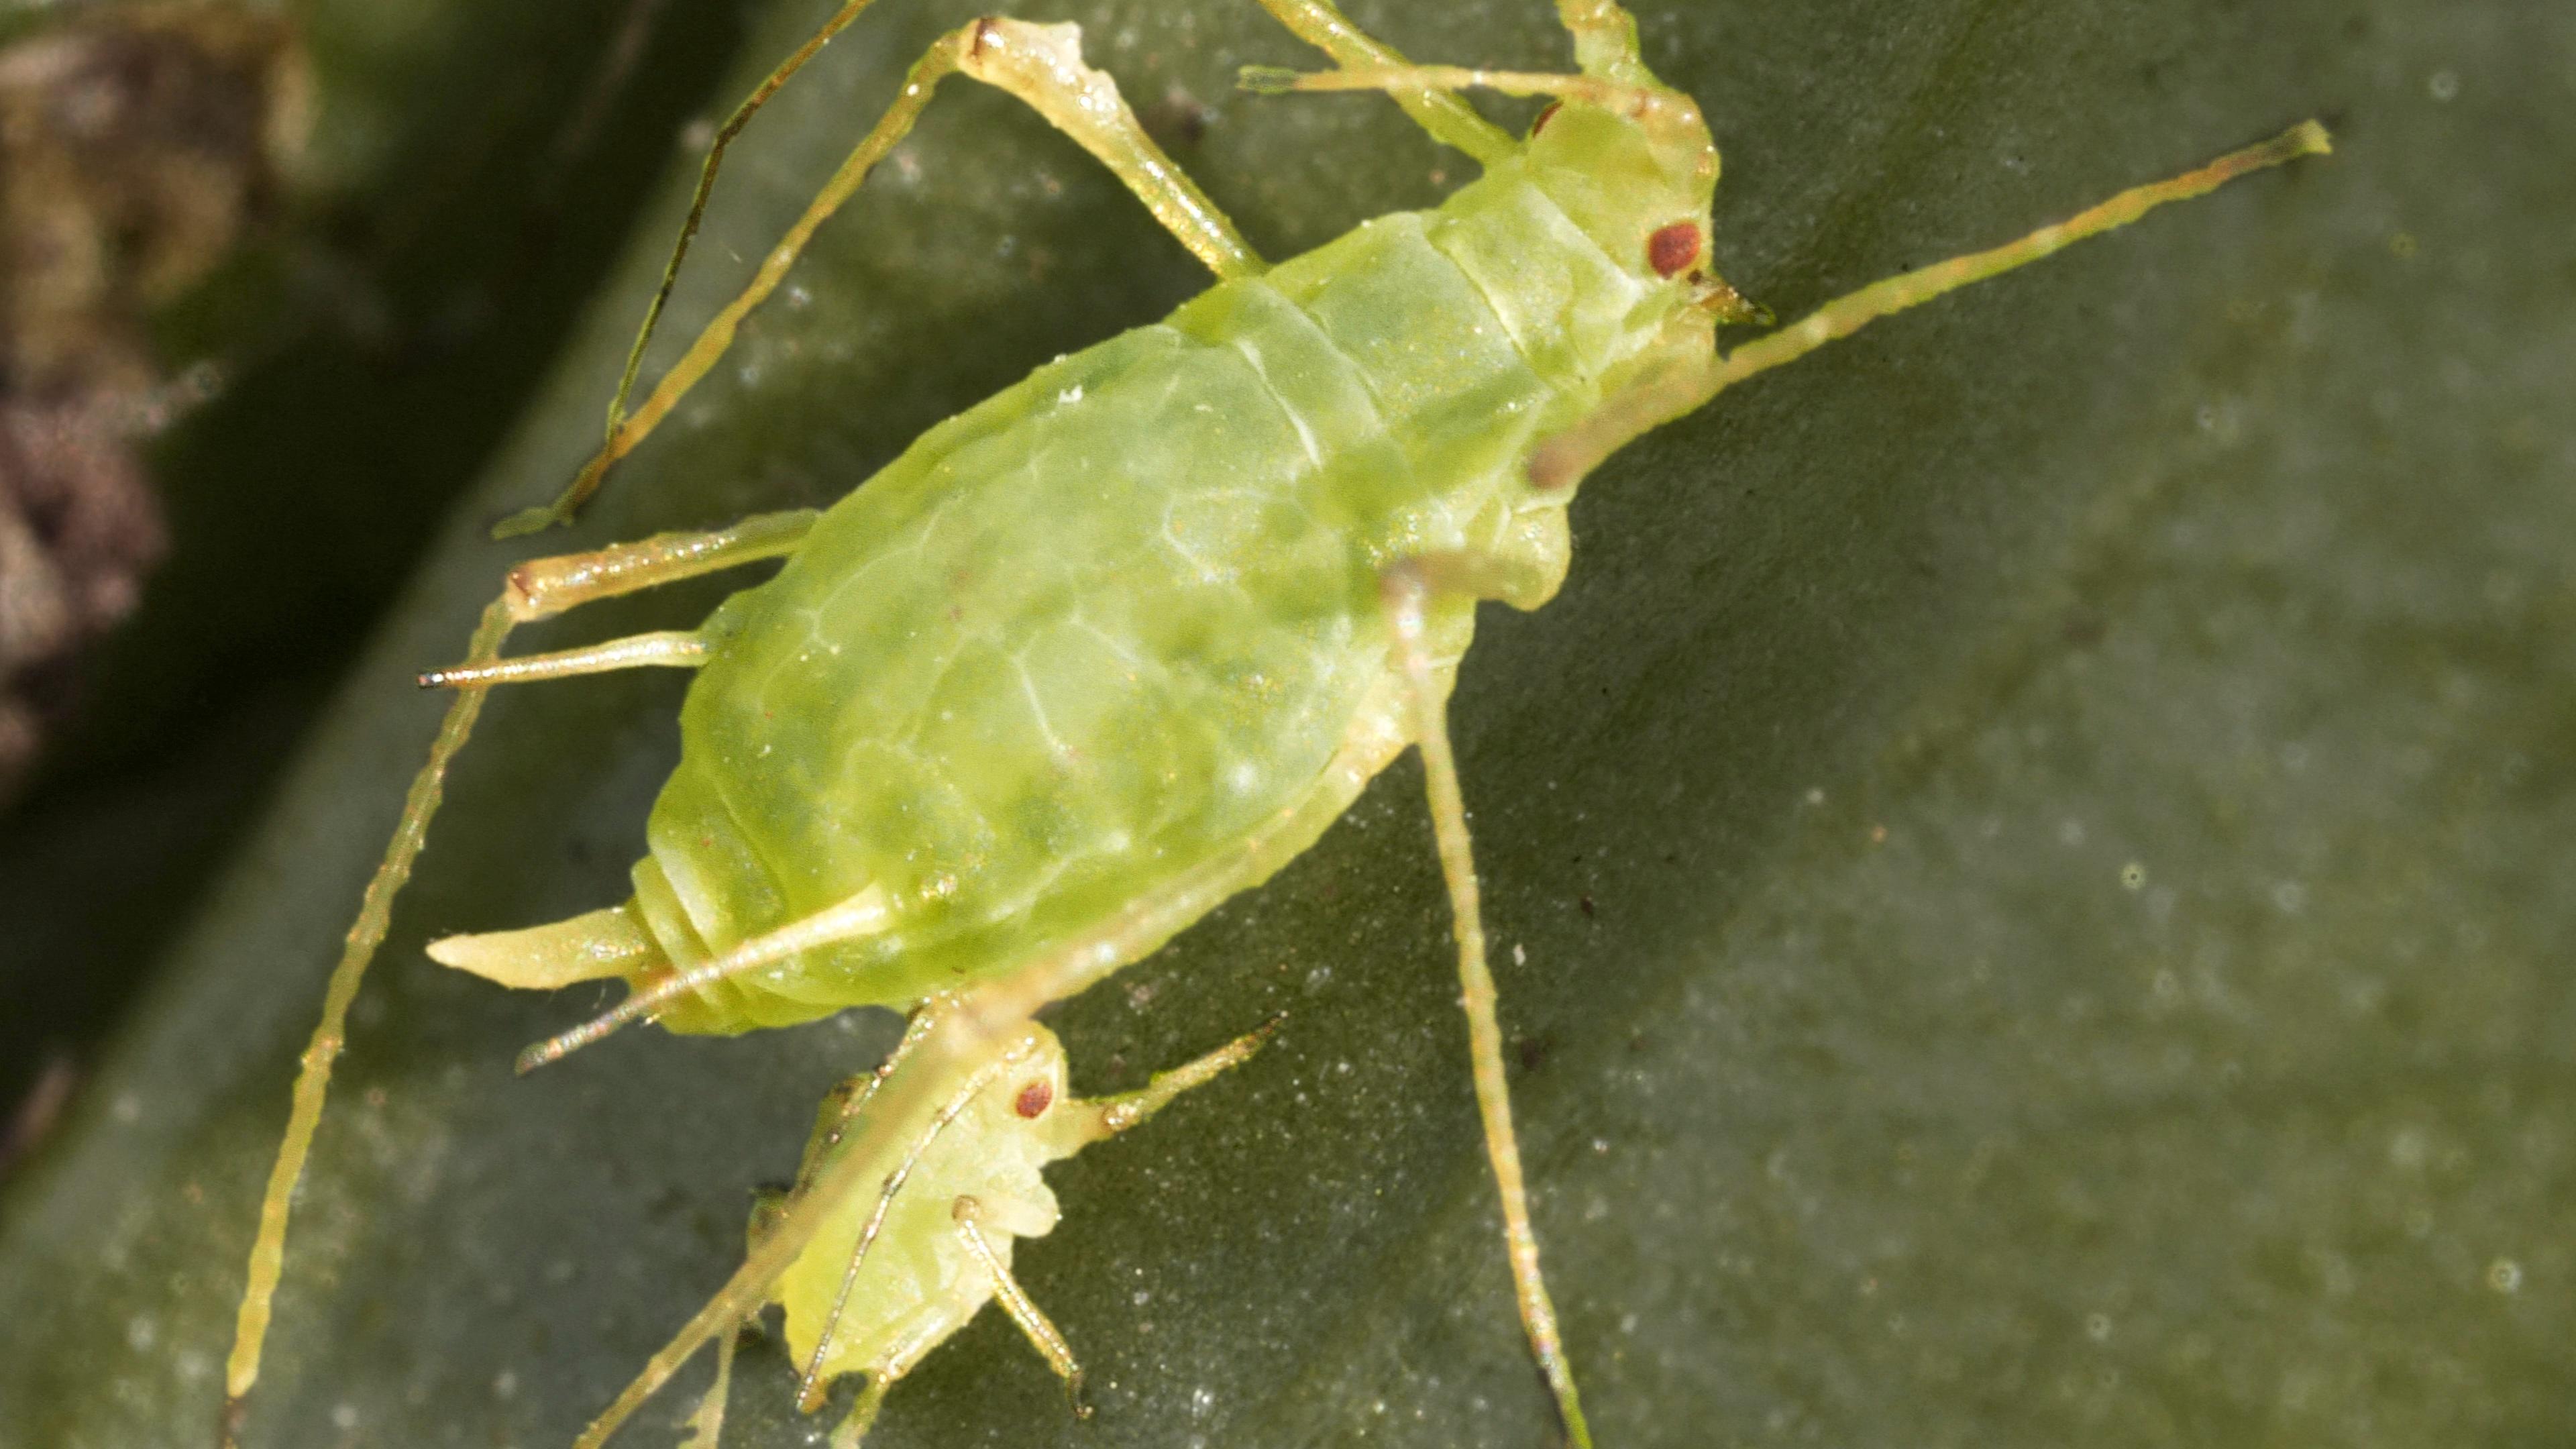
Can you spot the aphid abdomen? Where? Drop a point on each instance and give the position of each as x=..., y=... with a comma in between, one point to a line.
x=1089, y=634
x=1014, y=680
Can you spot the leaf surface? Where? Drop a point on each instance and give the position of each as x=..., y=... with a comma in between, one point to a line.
x=2028, y=861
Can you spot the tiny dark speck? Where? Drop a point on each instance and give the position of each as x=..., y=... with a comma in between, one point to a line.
x=1534, y=1051
x=1586, y=903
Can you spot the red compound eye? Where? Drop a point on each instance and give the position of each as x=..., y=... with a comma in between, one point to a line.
x=1033, y=1099
x=1672, y=249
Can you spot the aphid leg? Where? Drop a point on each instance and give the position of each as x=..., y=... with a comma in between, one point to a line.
x=971, y=1213
x=1570, y=455
x=1605, y=45
x=1643, y=100
x=1412, y=589
x=863, y=1414
x=901, y=1359
x=706, y=1425
x=544, y=587
x=536, y=590
x=670, y=648
x=1041, y=65
x=1450, y=120
x=1605, y=40
x=313, y=1080
x=872, y=1393
x=845, y=1103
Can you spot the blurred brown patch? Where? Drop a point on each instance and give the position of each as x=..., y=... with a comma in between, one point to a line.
x=136, y=147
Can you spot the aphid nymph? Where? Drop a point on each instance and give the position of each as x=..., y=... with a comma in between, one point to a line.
x=1118, y=643
x=887, y=1277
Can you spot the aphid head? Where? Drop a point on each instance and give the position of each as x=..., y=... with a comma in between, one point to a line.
x=1632, y=163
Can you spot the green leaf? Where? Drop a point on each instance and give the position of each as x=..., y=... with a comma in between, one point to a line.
x=2028, y=861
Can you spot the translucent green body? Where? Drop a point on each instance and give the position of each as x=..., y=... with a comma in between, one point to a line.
x=917, y=1283
x=1087, y=634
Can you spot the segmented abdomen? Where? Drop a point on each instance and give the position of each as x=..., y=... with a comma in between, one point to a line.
x=1088, y=634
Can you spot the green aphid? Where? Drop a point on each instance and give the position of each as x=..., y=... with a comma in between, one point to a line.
x=1127, y=637
x=887, y=1277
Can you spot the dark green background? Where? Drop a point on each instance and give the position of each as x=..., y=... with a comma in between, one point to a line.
x=2039, y=837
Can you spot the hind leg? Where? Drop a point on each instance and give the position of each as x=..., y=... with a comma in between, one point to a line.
x=1438, y=110
x=536, y=590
